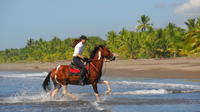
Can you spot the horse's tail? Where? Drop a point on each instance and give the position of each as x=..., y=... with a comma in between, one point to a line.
x=46, y=83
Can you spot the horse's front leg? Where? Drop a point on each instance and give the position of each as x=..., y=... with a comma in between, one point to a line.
x=107, y=84
x=94, y=85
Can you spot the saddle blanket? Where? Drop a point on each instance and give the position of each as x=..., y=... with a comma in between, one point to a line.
x=73, y=70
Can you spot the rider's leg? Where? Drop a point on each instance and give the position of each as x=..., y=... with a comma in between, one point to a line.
x=83, y=76
x=79, y=64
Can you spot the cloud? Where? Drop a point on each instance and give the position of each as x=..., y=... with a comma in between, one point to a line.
x=160, y=5
x=165, y=5
x=189, y=8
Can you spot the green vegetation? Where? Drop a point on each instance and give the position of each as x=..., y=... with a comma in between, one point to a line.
x=146, y=42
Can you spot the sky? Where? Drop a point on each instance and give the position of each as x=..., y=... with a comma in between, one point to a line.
x=24, y=19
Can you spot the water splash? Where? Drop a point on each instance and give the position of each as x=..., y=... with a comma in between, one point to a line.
x=25, y=97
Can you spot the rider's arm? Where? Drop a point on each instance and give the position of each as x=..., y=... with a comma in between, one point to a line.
x=78, y=55
x=77, y=50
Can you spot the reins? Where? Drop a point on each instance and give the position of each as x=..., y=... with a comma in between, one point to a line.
x=95, y=66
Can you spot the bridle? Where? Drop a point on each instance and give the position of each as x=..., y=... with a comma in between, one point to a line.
x=99, y=57
x=93, y=60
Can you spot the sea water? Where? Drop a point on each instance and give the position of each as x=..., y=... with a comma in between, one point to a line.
x=22, y=92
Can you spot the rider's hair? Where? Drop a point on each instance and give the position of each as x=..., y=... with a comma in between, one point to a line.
x=75, y=42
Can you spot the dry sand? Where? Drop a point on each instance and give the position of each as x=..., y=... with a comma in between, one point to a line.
x=186, y=68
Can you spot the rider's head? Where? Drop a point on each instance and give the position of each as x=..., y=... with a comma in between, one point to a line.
x=83, y=39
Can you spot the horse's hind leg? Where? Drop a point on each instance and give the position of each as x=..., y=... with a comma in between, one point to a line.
x=107, y=84
x=56, y=88
x=66, y=92
x=54, y=92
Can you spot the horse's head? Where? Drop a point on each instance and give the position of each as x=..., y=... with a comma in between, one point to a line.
x=103, y=52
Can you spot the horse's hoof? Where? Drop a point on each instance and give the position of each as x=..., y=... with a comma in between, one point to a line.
x=98, y=100
x=108, y=92
x=75, y=99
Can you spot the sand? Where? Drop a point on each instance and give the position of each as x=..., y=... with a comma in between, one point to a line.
x=184, y=68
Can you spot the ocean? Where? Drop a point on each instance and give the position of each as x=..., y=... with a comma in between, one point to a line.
x=22, y=92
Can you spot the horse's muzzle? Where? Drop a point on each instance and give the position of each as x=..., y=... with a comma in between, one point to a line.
x=112, y=58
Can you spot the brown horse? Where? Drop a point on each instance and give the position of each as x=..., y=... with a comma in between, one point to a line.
x=61, y=77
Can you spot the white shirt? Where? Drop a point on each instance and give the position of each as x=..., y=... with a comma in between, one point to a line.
x=78, y=49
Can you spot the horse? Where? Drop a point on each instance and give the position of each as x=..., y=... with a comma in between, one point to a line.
x=61, y=77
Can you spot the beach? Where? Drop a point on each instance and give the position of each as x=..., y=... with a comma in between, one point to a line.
x=180, y=68
x=141, y=85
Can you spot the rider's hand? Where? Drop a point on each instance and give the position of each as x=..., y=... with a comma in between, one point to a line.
x=86, y=59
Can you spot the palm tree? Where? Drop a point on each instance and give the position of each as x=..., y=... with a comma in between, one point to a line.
x=191, y=23
x=174, y=36
x=144, y=23
x=171, y=28
x=193, y=39
x=30, y=42
x=198, y=21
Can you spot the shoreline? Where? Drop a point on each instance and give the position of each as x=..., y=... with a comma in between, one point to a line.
x=181, y=68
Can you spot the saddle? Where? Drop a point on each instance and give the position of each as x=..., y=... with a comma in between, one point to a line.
x=74, y=70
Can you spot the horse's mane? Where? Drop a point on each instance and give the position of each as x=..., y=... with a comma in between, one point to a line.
x=92, y=54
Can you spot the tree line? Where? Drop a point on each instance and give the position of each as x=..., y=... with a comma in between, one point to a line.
x=145, y=42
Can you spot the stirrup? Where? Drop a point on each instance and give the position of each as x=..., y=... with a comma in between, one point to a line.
x=81, y=83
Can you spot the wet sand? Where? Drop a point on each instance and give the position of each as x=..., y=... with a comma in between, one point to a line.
x=185, y=68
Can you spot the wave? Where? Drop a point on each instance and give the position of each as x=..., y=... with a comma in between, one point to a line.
x=155, y=85
x=24, y=75
x=154, y=92
x=142, y=92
